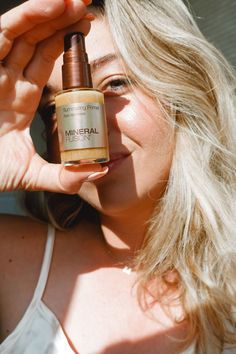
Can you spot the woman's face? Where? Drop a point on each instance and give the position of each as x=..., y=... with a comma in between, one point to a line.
x=140, y=140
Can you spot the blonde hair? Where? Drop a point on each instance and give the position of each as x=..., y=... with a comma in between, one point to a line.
x=193, y=229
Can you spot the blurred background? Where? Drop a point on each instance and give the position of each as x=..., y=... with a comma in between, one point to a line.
x=216, y=19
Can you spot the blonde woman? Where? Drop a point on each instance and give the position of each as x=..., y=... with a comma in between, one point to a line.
x=149, y=265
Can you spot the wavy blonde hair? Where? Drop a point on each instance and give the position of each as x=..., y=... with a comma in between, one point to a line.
x=193, y=229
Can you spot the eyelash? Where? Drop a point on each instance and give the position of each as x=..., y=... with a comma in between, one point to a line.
x=116, y=86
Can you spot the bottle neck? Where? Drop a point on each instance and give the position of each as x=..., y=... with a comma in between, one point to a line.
x=76, y=69
x=75, y=75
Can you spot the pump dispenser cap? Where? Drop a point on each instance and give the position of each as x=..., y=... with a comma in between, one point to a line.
x=76, y=69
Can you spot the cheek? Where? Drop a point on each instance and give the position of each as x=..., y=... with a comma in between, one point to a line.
x=143, y=122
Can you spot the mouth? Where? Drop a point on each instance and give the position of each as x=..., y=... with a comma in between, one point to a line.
x=115, y=160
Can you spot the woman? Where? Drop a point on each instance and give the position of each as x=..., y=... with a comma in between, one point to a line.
x=152, y=270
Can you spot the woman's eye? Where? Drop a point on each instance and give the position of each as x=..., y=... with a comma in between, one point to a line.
x=116, y=87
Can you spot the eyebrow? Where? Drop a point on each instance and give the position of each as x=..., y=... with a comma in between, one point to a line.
x=102, y=61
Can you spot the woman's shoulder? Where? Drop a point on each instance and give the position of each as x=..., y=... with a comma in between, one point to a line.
x=11, y=222
x=22, y=241
x=15, y=230
x=22, y=244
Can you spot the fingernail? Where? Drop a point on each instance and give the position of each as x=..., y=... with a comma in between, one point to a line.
x=96, y=175
x=89, y=16
x=87, y=2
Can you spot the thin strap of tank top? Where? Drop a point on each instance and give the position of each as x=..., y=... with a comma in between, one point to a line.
x=39, y=290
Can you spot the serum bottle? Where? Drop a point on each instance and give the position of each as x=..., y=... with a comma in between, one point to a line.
x=80, y=112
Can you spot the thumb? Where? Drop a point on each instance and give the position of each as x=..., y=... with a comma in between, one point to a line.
x=59, y=178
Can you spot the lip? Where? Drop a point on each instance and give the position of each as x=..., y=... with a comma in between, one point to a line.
x=116, y=159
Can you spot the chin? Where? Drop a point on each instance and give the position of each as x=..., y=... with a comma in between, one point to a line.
x=115, y=198
x=107, y=200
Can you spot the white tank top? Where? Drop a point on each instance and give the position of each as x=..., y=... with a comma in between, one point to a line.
x=39, y=331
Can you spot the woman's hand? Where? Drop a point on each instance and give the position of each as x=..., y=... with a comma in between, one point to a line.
x=31, y=38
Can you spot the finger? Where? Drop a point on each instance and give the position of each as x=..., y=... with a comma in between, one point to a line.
x=74, y=12
x=24, y=17
x=23, y=48
x=47, y=52
x=58, y=178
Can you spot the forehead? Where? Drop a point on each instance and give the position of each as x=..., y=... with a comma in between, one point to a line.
x=99, y=41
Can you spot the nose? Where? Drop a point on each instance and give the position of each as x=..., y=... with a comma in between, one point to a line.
x=111, y=113
x=114, y=107
x=109, y=116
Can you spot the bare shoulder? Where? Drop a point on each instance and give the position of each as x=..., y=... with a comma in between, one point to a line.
x=18, y=234
x=22, y=244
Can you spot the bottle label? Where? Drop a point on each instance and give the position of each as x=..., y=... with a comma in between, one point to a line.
x=81, y=126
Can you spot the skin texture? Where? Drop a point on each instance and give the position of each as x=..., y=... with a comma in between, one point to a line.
x=97, y=306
